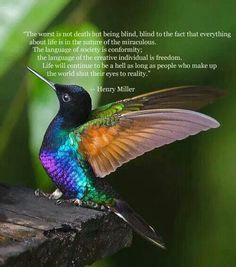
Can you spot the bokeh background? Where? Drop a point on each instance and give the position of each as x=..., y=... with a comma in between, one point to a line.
x=186, y=189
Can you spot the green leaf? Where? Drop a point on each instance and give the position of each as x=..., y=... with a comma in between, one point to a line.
x=17, y=17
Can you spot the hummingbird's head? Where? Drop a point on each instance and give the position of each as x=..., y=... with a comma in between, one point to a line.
x=75, y=102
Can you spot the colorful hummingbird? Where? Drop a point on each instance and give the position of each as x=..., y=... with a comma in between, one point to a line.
x=81, y=145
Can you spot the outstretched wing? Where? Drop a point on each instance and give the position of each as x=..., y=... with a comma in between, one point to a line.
x=185, y=97
x=108, y=142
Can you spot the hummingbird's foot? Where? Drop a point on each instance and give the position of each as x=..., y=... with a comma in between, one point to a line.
x=57, y=194
x=74, y=201
x=81, y=203
x=54, y=195
x=94, y=205
x=39, y=193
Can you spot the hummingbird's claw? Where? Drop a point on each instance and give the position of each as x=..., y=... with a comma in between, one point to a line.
x=60, y=201
x=54, y=195
x=57, y=194
x=74, y=201
x=39, y=193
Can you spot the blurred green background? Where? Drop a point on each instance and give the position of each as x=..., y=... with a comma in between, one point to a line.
x=187, y=190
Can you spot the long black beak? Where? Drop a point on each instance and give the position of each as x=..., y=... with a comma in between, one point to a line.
x=51, y=84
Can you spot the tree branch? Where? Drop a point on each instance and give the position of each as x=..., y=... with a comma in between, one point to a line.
x=37, y=232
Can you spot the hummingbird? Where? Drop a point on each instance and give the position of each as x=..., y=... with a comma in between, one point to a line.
x=82, y=145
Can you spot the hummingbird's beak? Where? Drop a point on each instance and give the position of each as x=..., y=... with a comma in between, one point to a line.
x=51, y=84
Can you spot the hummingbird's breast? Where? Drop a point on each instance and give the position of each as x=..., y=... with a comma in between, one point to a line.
x=64, y=167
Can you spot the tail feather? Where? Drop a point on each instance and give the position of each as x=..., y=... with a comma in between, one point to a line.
x=125, y=212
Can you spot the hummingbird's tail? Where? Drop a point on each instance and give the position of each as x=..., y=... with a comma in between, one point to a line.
x=124, y=211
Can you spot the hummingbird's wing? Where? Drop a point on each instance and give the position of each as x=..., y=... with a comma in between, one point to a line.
x=110, y=141
x=185, y=97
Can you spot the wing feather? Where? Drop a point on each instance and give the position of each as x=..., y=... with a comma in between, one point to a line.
x=183, y=97
x=108, y=145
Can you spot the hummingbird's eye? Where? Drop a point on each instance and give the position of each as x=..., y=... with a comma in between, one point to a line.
x=66, y=97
